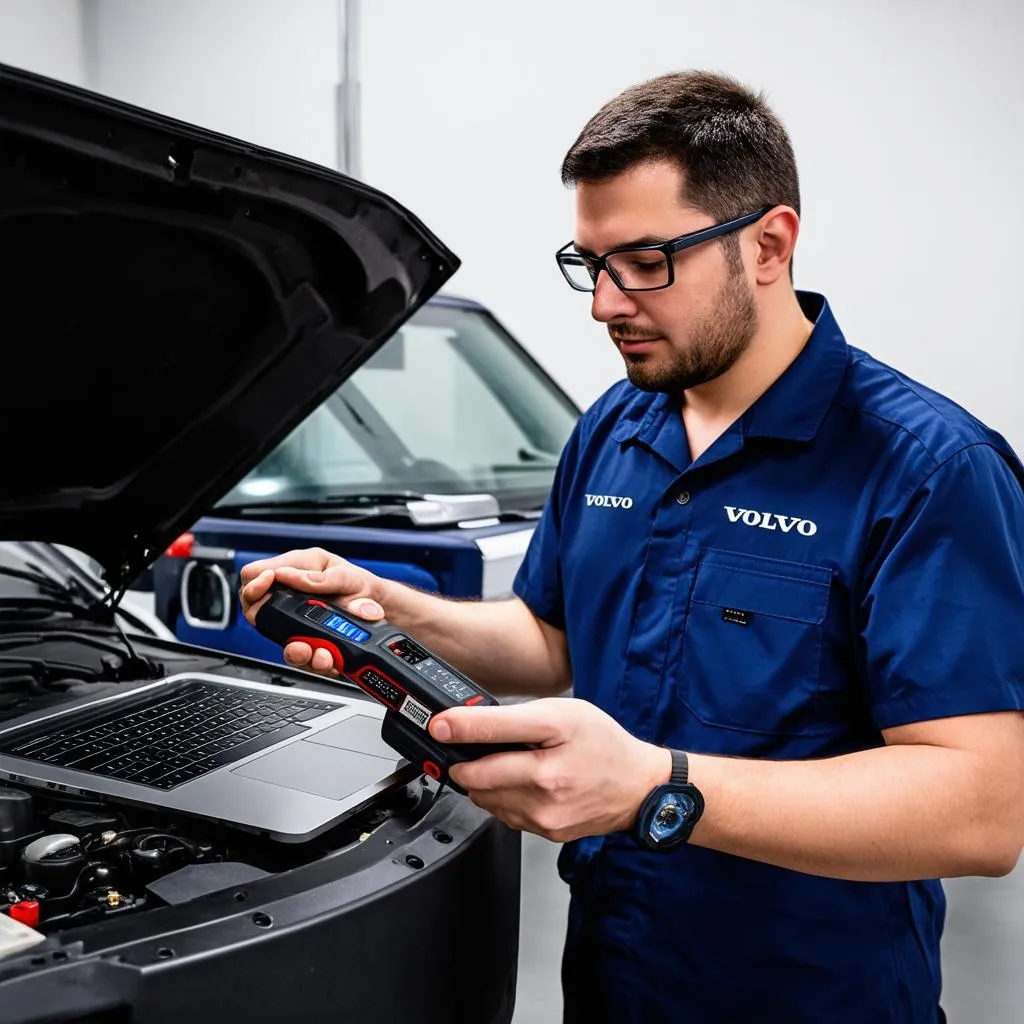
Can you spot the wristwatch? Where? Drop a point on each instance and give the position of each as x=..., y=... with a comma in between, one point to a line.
x=670, y=811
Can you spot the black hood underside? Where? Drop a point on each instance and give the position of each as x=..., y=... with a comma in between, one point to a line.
x=172, y=304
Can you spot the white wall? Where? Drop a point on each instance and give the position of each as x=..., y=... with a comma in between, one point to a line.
x=44, y=36
x=261, y=70
x=906, y=119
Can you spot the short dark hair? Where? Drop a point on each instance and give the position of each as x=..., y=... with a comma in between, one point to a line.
x=734, y=152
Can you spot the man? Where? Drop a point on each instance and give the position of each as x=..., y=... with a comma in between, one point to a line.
x=765, y=550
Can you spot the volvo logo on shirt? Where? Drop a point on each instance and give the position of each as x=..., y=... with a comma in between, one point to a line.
x=609, y=501
x=771, y=521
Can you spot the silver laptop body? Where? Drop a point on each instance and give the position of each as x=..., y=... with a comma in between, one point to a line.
x=188, y=743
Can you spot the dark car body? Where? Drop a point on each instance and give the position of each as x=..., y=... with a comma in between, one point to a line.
x=140, y=254
x=429, y=466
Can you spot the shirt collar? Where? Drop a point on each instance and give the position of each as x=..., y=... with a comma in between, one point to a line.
x=792, y=408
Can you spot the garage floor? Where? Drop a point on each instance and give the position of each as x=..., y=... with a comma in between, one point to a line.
x=981, y=953
x=545, y=903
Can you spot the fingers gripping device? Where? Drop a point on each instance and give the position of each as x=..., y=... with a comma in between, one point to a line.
x=412, y=682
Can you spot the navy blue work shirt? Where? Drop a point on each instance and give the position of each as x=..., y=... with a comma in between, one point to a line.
x=847, y=557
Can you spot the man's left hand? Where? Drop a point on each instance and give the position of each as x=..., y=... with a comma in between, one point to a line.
x=586, y=776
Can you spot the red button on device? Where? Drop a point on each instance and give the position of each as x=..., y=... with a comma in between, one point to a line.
x=432, y=770
x=27, y=912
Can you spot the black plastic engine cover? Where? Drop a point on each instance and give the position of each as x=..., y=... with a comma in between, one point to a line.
x=353, y=948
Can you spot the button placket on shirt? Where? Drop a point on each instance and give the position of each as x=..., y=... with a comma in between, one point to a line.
x=665, y=583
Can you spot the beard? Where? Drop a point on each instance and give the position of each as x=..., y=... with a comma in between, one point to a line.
x=716, y=343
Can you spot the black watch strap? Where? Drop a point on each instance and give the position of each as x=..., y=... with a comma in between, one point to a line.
x=680, y=768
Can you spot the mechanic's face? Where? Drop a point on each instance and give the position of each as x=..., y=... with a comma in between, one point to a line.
x=684, y=335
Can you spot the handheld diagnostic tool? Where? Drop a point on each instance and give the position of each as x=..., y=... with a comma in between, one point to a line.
x=411, y=682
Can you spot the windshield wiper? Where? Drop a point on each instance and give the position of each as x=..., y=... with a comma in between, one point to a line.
x=369, y=499
x=68, y=595
x=20, y=664
x=535, y=455
x=68, y=591
x=362, y=506
x=420, y=509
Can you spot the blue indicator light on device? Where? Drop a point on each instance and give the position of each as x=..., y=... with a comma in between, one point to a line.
x=347, y=629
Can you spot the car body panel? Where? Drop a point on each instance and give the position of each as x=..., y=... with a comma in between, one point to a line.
x=174, y=302
x=472, y=552
x=459, y=563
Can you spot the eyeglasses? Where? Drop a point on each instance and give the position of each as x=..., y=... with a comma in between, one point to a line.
x=642, y=268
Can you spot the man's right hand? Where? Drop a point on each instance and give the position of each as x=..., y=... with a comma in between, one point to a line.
x=314, y=571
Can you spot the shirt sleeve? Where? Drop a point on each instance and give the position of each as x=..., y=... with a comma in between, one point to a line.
x=942, y=620
x=538, y=582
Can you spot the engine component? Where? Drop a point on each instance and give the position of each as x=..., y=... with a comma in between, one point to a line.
x=157, y=853
x=26, y=912
x=82, y=822
x=97, y=876
x=15, y=936
x=54, y=861
x=30, y=891
x=195, y=880
x=17, y=823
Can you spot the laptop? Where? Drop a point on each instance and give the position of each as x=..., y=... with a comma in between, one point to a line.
x=286, y=763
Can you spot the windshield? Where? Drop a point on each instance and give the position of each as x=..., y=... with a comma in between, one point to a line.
x=23, y=575
x=30, y=577
x=450, y=404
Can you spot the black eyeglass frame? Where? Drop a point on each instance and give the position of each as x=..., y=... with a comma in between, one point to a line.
x=669, y=248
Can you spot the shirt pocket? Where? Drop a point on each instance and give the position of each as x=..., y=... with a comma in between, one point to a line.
x=752, y=643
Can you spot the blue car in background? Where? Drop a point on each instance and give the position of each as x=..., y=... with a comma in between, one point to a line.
x=430, y=466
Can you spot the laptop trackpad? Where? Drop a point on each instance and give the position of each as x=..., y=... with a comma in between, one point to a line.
x=317, y=768
x=360, y=732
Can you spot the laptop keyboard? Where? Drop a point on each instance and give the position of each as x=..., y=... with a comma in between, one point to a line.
x=173, y=738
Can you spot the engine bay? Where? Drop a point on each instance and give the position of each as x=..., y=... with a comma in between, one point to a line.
x=66, y=860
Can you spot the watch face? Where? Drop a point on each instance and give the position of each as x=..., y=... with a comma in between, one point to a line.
x=672, y=814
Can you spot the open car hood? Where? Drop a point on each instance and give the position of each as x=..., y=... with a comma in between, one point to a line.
x=173, y=304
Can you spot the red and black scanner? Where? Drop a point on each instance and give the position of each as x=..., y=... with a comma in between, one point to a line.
x=413, y=683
